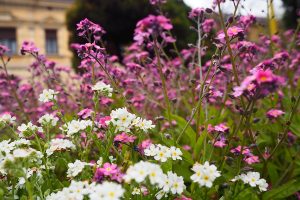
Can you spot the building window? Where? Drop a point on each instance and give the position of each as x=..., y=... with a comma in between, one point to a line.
x=8, y=39
x=51, y=42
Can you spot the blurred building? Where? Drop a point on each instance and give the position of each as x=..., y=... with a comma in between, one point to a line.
x=40, y=21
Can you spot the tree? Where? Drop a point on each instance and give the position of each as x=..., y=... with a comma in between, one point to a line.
x=290, y=15
x=119, y=18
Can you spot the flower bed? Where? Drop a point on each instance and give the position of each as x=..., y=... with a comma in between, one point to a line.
x=218, y=120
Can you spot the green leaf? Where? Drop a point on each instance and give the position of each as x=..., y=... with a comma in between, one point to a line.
x=248, y=194
x=284, y=191
x=189, y=132
x=199, y=144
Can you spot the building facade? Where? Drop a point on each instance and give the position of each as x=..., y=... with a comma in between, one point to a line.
x=40, y=21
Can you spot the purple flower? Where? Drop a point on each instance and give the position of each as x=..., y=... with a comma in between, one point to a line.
x=3, y=50
x=153, y=26
x=274, y=113
x=85, y=113
x=29, y=47
x=88, y=29
x=156, y=2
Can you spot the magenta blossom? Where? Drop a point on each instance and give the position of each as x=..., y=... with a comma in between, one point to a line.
x=274, y=113
x=3, y=50
x=251, y=159
x=232, y=32
x=124, y=138
x=109, y=169
x=29, y=47
x=261, y=80
x=156, y=2
x=88, y=29
x=85, y=113
x=222, y=128
x=152, y=26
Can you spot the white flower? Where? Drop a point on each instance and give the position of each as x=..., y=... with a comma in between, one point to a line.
x=29, y=128
x=22, y=152
x=5, y=147
x=21, y=142
x=151, y=150
x=47, y=95
x=143, y=124
x=75, y=191
x=7, y=118
x=75, y=168
x=161, y=194
x=103, y=88
x=58, y=145
x=122, y=119
x=76, y=126
x=172, y=183
x=141, y=170
x=48, y=119
x=107, y=191
x=204, y=174
x=175, y=153
x=253, y=179
x=162, y=153
x=99, y=162
x=263, y=185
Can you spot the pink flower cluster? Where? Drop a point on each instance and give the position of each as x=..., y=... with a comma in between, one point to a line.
x=153, y=27
x=260, y=83
x=108, y=171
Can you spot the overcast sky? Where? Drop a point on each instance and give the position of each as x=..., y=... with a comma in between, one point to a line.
x=254, y=7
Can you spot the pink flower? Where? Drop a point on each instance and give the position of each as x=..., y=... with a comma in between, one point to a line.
x=87, y=28
x=85, y=113
x=29, y=47
x=155, y=2
x=251, y=159
x=145, y=144
x=220, y=143
x=221, y=128
x=124, y=138
x=208, y=25
x=187, y=147
x=152, y=26
x=109, y=169
x=274, y=113
x=196, y=12
x=238, y=149
x=233, y=31
x=3, y=50
x=183, y=198
x=103, y=120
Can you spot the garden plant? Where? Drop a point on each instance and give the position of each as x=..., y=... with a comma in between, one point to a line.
x=216, y=120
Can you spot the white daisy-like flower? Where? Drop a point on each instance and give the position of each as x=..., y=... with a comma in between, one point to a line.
x=28, y=129
x=141, y=170
x=205, y=174
x=172, y=183
x=162, y=153
x=7, y=118
x=253, y=179
x=76, y=126
x=58, y=145
x=108, y=191
x=48, y=95
x=75, y=168
x=103, y=88
x=175, y=153
x=48, y=119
